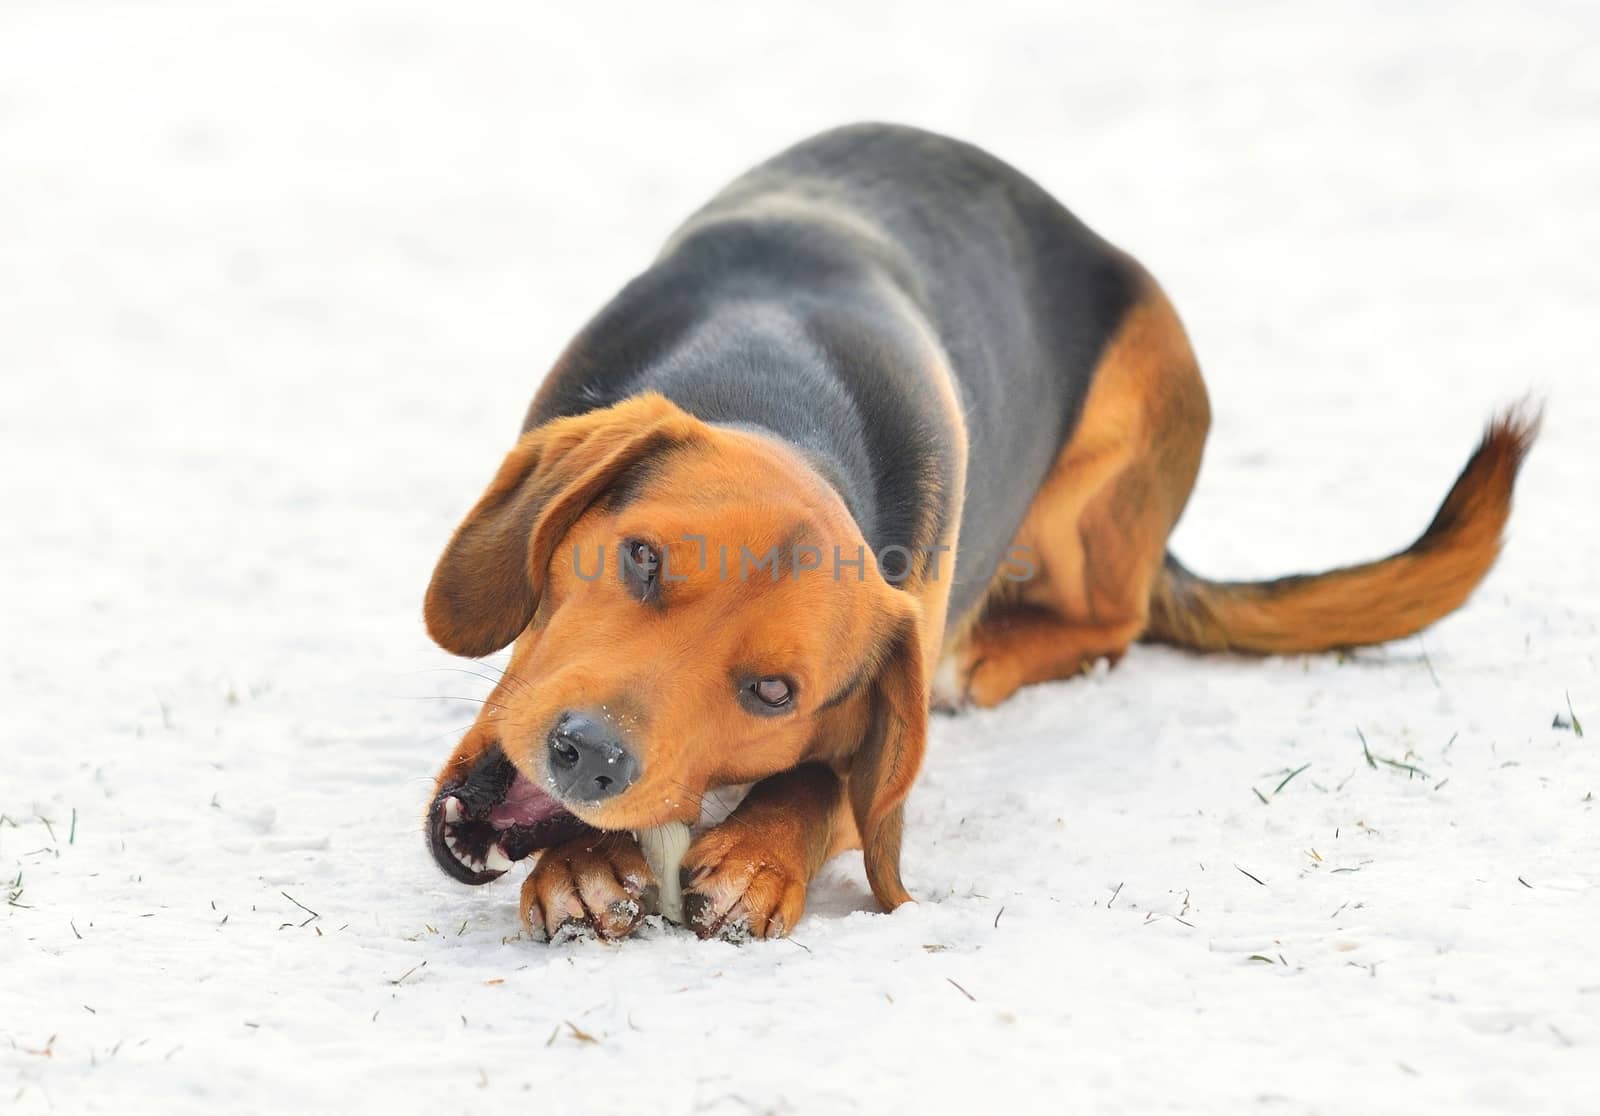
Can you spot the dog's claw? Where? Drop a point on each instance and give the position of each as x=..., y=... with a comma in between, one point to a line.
x=736, y=891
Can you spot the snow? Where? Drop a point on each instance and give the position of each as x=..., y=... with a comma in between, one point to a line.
x=276, y=282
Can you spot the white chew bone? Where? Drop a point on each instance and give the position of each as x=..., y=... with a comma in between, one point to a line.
x=664, y=848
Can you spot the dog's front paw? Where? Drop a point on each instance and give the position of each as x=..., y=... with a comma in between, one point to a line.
x=736, y=886
x=596, y=884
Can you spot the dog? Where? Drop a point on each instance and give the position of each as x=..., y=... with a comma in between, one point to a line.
x=882, y=423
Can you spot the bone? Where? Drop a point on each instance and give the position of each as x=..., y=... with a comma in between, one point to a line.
x=664, y=848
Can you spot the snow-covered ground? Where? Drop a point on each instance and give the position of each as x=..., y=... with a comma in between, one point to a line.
x=276, y=282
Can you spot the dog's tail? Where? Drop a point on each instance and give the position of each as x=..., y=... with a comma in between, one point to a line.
x=1371, y=603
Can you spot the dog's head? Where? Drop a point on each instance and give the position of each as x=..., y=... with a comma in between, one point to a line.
x=692, y=606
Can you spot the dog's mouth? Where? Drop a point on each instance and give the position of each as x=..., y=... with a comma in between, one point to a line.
x=479, y=828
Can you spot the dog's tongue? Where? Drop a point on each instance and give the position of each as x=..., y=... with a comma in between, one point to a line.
x=479, y=827
x=524, y=804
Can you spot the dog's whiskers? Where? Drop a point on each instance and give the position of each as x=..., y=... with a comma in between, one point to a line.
x=485, y=702
x=461, y=670
x=506, y=675
x=449, y=732
x=521, y=683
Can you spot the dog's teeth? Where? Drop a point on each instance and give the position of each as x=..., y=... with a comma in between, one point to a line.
x=497, y=860
x=452, y=809
x=475, y=864
x=456, y=850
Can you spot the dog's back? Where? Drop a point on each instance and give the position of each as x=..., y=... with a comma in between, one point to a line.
x=826, y=294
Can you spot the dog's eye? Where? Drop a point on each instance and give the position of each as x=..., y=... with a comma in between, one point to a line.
x=772, y=691
x=641, y=566
x=769, y=695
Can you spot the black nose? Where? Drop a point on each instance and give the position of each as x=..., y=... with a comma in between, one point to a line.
x=587, y=761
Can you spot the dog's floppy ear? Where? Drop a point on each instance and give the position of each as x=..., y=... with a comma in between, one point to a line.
x=886, y=764
x=488, y=581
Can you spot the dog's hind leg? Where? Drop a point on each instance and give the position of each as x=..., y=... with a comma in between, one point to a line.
x=1092, y=543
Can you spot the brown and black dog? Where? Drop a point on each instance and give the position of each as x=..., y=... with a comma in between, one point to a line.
x=882, y=411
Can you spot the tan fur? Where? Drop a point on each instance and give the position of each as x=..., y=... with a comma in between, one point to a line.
x=1097, y=530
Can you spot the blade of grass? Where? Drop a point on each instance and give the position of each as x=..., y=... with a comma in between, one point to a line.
x=1289, y=776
